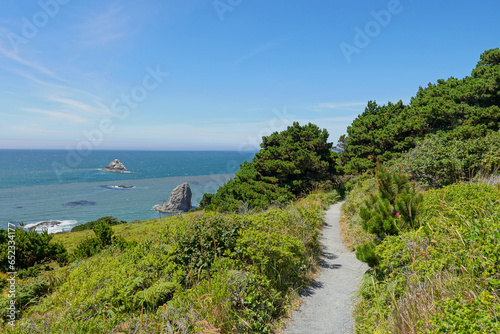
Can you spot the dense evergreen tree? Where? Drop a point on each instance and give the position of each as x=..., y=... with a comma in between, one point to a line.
x=372, y=134
x=460, y=108
x=30, y=248
x=290, y=163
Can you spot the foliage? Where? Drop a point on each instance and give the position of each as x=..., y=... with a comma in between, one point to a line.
x=279, y=257
x=463, y=108
x=103, y=238
x=111, y=283
x=393, y=210
x=31, y=248
x=358, y=191
x=229, y=301
x=374, y=134
x=206, y=200
x=90, y=225
x=469, y=317
x=443, y=277
x=206, y=239
x=290, y=163
x=440, y=161
x=29, y=291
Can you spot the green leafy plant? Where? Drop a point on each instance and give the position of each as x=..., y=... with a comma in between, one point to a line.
x=280, y=257
x=103, y=238
x=90, y=225
x=440, y=160
x=393, y=209
x=205, y=240
x=31, y=248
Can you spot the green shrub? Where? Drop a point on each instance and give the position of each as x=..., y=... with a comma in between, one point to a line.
x=459, y=202
x=393, y=210
x=30, y=291
x=327, y=198
x=204, y=240
x=103, y=238
x=478, y=316
x=31, y=248
x=366, y=253
x=358, y=190
x=113, y=283
x=90, y=225
x=440, y=161
x=279, y=257
x=228, y=301
x=87, y=248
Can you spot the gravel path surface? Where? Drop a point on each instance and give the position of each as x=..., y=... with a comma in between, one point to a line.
x=327, y=302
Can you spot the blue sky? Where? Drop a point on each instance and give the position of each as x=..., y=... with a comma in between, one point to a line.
x=218, y=75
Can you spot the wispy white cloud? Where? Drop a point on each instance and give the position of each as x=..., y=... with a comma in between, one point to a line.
x=57, y=115
x=340, y=119
x=104, y=27
x=10, y=54
x=65, y=97
x=80, y=106
x=230, y=133
x=55, y=89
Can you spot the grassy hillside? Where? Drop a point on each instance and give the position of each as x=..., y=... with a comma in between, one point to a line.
x=134, y=231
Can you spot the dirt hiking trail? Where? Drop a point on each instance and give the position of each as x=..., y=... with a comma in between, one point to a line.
x=327, y=303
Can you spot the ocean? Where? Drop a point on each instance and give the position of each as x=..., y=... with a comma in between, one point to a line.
x=57, y=185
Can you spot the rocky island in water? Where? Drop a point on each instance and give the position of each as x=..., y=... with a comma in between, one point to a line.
x=115, y=166
x=179, y=201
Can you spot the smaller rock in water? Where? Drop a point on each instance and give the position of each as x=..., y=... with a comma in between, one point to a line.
x=179, y=201
x=105, y=186
x=79, y=203
x=115, y=166
x=44, y=225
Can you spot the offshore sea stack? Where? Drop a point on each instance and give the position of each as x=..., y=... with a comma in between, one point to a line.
x=115, y=166
x=179, y=201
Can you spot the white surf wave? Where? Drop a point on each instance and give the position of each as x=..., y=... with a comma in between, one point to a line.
x=52, y=226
